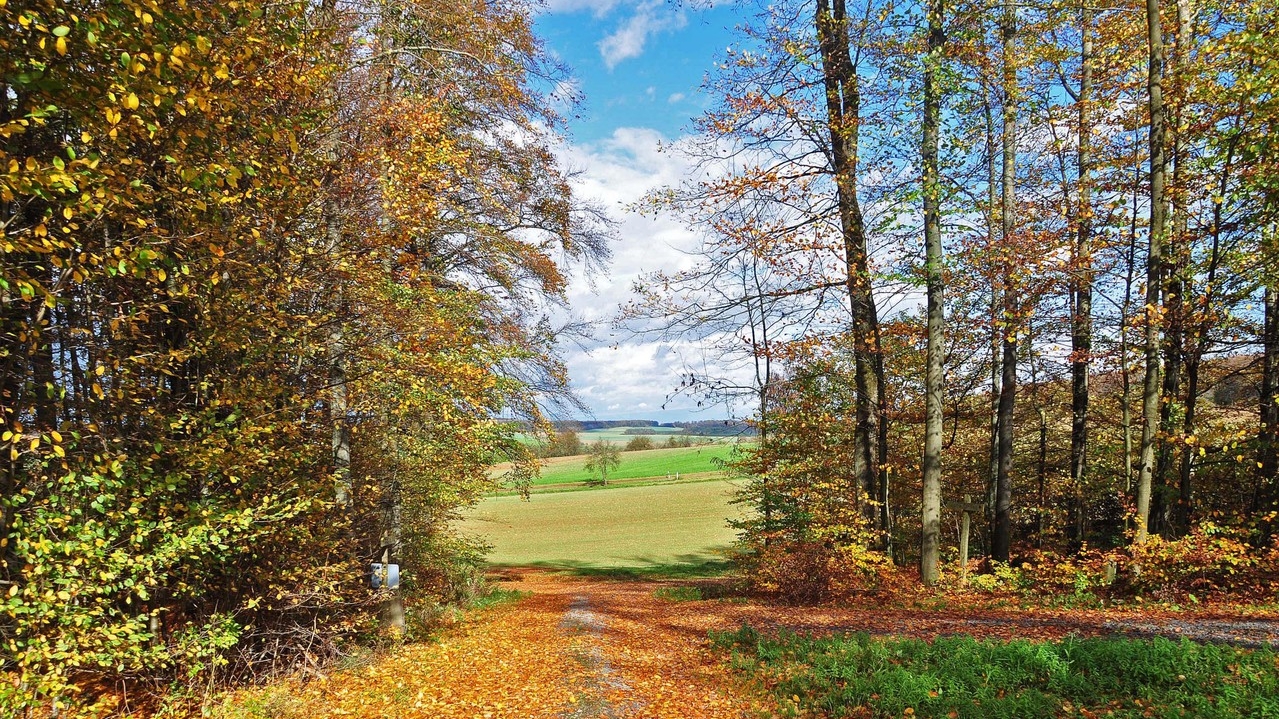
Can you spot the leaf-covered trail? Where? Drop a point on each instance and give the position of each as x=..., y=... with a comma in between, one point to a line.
x=598, y=649
x=574, y=649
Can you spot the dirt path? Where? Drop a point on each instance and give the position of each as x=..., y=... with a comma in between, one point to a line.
x=634, y=603
x=599, y=649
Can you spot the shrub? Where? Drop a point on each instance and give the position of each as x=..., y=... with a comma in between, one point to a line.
x=639, y=443
x=808, y=570
x=1211, y=560
x=565, y=443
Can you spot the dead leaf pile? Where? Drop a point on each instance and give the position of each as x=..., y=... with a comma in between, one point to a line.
x=504, y=663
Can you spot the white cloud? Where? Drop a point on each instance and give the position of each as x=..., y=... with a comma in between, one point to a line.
x=623, y=376
x=598, y=8
x=614, y=173
x=675, y=97
x=628, y=40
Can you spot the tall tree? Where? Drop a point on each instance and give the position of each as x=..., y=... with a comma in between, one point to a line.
x=1010, y=321
x=930, y=512
x=843, y=112
x=1150, y=395
x=1081, y=271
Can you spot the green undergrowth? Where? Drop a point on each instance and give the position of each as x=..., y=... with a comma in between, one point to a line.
x=496, y=597
x=961, y=677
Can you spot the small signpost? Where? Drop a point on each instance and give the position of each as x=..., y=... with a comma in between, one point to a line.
x=385, y=575
x=967, y=507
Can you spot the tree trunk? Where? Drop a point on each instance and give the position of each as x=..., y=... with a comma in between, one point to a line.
x=1001, y=545
x=1266, y=494
x=992, y=217
x=1201, y=339
x=1124, y=315
x=340, y=426
x=930, y=514
x=1162, y=499
x=1081, y=279
x=843, y=108
x=1177, y=309
x=392, y=553
x=1154, y=265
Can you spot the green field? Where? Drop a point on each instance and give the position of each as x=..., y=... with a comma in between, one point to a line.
x=618, y=436
x=656, y=463
x=627, y=527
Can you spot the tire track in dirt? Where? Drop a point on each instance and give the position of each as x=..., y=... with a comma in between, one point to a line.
x=598, y=685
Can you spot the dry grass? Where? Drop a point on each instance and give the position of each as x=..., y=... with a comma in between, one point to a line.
x=659, y=524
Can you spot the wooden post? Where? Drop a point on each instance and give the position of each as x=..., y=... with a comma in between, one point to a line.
x=967, y=507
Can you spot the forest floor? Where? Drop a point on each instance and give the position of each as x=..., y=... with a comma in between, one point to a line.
x=587, y=648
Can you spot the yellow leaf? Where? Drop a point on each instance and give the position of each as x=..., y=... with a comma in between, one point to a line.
x=35, y=444
x=131, y=102
x=57, y=436
x=61, y=46
x=14, y=589
x=58, y=450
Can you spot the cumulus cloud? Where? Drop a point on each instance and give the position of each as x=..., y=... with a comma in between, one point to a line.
x=621, y=376
x=628, y=40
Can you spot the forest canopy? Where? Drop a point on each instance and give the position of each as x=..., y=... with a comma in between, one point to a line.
x=1023, y=253
x=269, y=273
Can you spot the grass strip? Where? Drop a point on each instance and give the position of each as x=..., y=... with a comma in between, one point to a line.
x=959, y=677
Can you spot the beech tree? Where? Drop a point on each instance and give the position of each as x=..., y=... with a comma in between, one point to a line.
x=270, y=274
x=1049, y=196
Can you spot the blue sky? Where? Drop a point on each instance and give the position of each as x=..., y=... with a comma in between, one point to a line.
x=638, y=65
